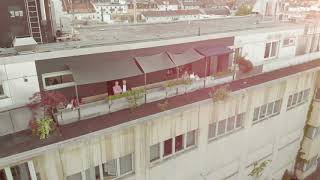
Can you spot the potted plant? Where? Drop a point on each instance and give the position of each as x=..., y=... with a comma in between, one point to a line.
x=220, y=93
x=258, y=169
x=245, y=65
x=43, y=105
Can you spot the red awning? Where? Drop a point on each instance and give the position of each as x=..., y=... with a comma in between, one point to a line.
x=214, y=51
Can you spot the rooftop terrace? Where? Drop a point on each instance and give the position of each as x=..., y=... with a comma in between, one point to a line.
x=104, y=35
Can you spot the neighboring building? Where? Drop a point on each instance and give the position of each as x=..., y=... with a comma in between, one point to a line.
x=80, y=9
x=192, y=4
x=178, y=131
x=25, y=18
x=169, y=16
x=142, y=6
x=112, y=8
x=167, y=5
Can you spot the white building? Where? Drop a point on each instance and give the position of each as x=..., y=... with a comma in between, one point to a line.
x=179, y=132
x=167, y=5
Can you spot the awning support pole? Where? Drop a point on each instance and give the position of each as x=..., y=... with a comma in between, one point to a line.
x=205, y=72
x=145, y=88
x=77, y=95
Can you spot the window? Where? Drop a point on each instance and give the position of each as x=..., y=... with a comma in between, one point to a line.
x=125, y=164
x=57, y=80
x=289, y=42
x=179, y=143
x=256, y=114
x=271, y=50
x=222, y=126
x=2, y=175
x=267, y=110
x=110, y=169
x=155, y=152
x=225, y=126
x=270, y=108
x=239, y=120
x=212, y=130
x=277, y=106
x=317, y=94
x=231, y=123
x=263, y=111
x=191, y=138
x=20, y=171
x=92, y=173
x=2, y=94
x=167, y=147
x=75, y=176
x=297, y=99
x=15, y=11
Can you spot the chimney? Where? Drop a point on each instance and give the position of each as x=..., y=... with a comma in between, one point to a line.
x=24, y=44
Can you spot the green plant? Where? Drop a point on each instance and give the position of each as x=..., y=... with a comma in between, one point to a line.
x=125, y=94
x=177, y=82
x=42, y=127
x=220, y=94
x=244, y=10
x=164, y=106
x=134, y=96
x=259, y=168
x=222, y=74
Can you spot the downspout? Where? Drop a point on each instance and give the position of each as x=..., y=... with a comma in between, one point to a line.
x=43, y=11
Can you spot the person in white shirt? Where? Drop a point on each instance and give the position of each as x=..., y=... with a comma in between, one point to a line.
x=124, y=86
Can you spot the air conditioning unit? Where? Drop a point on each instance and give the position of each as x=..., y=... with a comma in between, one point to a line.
x=24, y=44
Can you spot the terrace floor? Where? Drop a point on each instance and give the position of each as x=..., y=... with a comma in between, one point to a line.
x=24, y=141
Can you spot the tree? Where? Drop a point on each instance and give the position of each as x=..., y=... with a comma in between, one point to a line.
x=244, y=10
x=46, y=101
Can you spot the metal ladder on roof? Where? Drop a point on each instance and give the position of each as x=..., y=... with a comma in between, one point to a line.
x=34, y=21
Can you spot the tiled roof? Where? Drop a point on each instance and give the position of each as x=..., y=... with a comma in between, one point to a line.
x=167, y=2
x=78, y=7
x=24, y=141
x=171, y=13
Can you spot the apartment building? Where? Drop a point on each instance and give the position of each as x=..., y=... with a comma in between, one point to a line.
x=262, y=118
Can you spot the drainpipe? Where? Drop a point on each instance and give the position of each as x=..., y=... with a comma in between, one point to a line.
x=43, y=11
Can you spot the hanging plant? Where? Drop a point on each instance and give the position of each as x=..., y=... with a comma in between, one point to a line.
x=258, y=168
x=42, y=127
x=220, y=94
x=163, y=106
x=245, y=65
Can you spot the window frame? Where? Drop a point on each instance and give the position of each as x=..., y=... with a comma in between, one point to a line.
x=269, y=56
x=303, y=96
x=57, y=86
x=257, y=117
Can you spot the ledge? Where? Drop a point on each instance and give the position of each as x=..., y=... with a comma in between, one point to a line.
x=23, y=141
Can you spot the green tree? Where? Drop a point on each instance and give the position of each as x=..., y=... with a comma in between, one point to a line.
x=244, y=10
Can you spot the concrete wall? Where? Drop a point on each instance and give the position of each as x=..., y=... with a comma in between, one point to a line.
x=20, y=82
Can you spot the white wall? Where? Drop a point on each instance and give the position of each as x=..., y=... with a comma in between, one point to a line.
x=20, y=82
x=253, y=45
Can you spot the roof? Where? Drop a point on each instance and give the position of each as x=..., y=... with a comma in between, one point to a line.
x=214, y=51
x=87, y=70
x=186, y=57
x=192, y=3
x=170, y=13
x=155, y=62
x=217, y=11
x=167, y=2
x=24, y=141
x=78, y=7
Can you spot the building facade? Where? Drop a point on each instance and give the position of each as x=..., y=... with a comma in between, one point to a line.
x=179, y=132
x=22, y=18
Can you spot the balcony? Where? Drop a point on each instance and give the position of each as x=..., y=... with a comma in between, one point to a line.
x=156, y=93
x=310, y=147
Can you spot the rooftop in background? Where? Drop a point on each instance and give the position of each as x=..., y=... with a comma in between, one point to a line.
x=103, y=35
x=86, y=7
x=171, y=13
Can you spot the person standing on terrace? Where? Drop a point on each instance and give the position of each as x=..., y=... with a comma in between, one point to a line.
x=124, y=86
x=116, y=88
